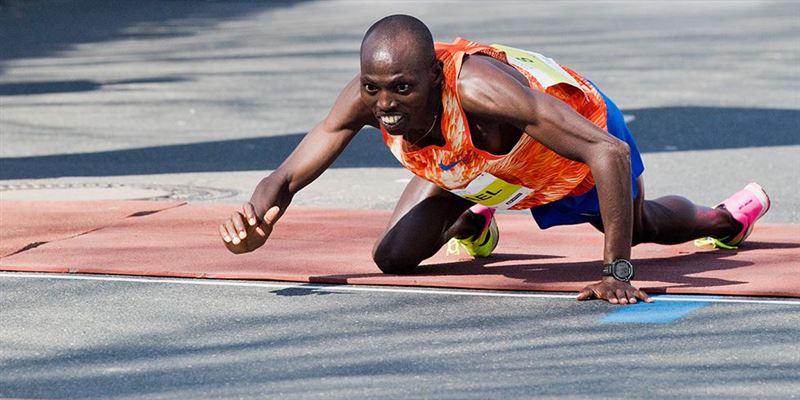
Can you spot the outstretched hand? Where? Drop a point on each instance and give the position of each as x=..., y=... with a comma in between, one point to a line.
x=244, y=231
x=613, y=291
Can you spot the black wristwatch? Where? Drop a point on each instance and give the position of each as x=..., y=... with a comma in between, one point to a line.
x=621, y=269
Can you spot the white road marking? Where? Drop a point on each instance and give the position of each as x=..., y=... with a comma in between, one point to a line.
x=375, y=289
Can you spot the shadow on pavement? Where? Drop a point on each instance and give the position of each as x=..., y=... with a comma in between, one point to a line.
x=707, y=128
x=697, y=272
x=39, y=28
x=366, y=150
x=80, y=85
x=655, y=129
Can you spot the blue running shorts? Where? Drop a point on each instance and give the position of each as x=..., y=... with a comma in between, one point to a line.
x=586, y=207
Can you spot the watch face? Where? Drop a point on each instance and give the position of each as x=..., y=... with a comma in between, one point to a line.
x=622, y=270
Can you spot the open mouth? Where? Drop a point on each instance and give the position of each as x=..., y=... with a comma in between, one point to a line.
x=392, y=122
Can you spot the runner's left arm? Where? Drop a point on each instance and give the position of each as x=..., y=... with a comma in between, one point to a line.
x=560, y=128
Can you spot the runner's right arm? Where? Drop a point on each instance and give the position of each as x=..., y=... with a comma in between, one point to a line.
x=248, y=229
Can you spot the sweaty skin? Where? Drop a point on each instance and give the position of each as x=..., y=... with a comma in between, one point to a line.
x=400, y=88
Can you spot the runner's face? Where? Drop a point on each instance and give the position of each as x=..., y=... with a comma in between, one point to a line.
x=398, y=93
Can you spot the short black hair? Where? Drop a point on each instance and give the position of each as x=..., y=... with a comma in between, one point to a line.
x=403, y=27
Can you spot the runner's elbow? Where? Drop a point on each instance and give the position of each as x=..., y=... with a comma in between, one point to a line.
x=612, y=149
x=619, y=148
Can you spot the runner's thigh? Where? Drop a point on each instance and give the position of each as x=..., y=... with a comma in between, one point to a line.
x=421, y=217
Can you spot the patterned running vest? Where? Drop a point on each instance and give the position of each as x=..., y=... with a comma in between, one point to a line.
x=530, y=174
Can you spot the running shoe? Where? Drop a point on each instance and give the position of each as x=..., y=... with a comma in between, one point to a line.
x=746, y=206
x=483, y=244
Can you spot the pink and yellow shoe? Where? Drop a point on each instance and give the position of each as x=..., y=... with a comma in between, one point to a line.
x=746, y=206
x=483, y=244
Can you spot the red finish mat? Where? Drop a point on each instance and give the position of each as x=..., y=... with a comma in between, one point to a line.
x=333, y=246
x=26, y=224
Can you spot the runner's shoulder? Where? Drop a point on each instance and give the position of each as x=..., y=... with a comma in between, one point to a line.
x=479, y=70
x=475, y=66
x=488, y=87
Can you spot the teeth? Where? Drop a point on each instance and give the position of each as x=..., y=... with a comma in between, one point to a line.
x=390, y=119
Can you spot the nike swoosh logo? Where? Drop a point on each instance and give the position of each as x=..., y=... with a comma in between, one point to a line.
x=447, y=167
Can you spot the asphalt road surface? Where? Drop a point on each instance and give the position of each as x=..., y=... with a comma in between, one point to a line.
x=175, y=338
x=204, y=98
x=215, y=94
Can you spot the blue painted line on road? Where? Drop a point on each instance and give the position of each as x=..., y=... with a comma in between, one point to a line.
x=658, y=312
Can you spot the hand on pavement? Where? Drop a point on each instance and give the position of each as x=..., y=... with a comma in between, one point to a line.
x=244, y=232
x=613, y=291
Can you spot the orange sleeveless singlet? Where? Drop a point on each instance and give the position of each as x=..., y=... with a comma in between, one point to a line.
x=530, y=174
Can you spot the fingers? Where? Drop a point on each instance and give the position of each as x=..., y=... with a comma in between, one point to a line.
x=631, y=295
x=626, y=296
x=614, y=292
x=243, y=231
x=232, y=232
x=223, y=232
x=271, y=215
x=239, y=225
x=250, y=213
x=644, y=296
x=586, y=294
x=611, y=297
x=621, y=297
x=261, y=232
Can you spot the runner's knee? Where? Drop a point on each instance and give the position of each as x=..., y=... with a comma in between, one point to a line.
x=391, y=261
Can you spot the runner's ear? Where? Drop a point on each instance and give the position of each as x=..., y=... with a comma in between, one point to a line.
x=436, y=73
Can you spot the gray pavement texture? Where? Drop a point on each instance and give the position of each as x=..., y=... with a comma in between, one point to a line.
x=202, y=99
x=188, y=341
x=218, y=93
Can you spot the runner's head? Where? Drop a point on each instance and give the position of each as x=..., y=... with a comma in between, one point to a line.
x=400, y=74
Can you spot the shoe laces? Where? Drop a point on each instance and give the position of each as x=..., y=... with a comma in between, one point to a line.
x=709, y=241
x=453, y=247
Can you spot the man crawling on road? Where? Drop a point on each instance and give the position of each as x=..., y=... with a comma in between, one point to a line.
x=492, y=127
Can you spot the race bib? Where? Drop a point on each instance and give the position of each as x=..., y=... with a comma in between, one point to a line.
x=494, y=192
x=544, y=69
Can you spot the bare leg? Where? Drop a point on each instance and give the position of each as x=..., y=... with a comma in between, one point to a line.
x=674, y=219
x=425, y=218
